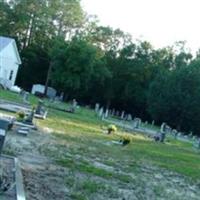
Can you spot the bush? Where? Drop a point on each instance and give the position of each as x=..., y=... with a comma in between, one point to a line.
x=111, y=128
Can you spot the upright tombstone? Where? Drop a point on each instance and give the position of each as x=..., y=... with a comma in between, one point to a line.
x=122, y=115
x=4, y=124
x=163, y=127
x=2, y=139
x=106, y=113
x=129, y=117
x=61, y=97
x=29, y=119
x=152, y=123
x=97, y=107
x=168, y=129
x=39, y=109
x=74, y=105
x=163, y=132
x=25, y=97
x=101, y=112
x=175, y=133
x=137, y=123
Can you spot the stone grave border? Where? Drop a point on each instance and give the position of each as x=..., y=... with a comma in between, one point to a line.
x=14, y=103
x=19, y=187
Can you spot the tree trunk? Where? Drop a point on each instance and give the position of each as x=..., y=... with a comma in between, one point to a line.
x=48, y=78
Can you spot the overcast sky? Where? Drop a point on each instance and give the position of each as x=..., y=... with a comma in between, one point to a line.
x=162, y=22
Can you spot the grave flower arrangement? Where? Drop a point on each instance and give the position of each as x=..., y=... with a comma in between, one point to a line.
x=125, y=139
x=111, y=128
x=20, y=115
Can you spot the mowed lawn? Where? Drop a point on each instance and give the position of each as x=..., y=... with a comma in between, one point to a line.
x=86, y=131
x=87, y=136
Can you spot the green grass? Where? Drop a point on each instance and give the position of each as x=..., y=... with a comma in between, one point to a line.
x=85, y=131
x=87, y=168
x=12, y=96
x=83, y=134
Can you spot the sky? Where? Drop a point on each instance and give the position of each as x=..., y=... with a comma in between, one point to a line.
x=161, y=22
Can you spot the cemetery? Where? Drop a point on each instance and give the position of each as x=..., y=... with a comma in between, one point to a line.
x=99, y=100
x=90, y=157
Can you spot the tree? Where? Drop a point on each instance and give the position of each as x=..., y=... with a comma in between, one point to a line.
x=174, y=97
x=34, y=67
x=73, y=65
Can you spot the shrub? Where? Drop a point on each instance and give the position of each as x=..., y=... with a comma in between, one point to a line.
x=111, y=128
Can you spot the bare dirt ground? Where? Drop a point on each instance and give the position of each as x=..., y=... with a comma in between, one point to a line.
x=44, y=179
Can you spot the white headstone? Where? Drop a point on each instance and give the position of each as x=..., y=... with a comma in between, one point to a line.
x=129, y=118
x=137, y=123
x=100, y=112
x=97, y=107
x=163, y=127
x=106, y=113
x=122, y=115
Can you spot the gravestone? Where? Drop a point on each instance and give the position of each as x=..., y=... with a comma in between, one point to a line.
x=5, y=124
x=137, y=122
x=163, y=127
x=29, y=119
x=25, y=96
x=39, y=109
x=175, y=133
x=122, y=115
x=106, y=113
x=74, y=105
x=97, y=107
x=2, y=138
x=190, y=134
x=61, y=97
x=162, y=136
x=168, y=129
x=163, y=132
x=199, y=143
x=100, y=112
x=129, y=117
x=152, y=123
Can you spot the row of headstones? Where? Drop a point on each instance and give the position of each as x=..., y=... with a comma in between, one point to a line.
x=105, y=113
x=137, y=122
x=165, y=129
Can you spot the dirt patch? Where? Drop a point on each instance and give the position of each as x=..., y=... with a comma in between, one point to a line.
x=44, y=179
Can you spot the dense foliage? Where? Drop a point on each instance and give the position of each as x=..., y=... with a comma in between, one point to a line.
x=62, y=46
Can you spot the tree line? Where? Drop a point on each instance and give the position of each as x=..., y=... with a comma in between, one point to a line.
x=93, y=63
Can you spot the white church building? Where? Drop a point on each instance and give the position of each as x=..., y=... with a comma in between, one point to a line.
x=9, y=61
